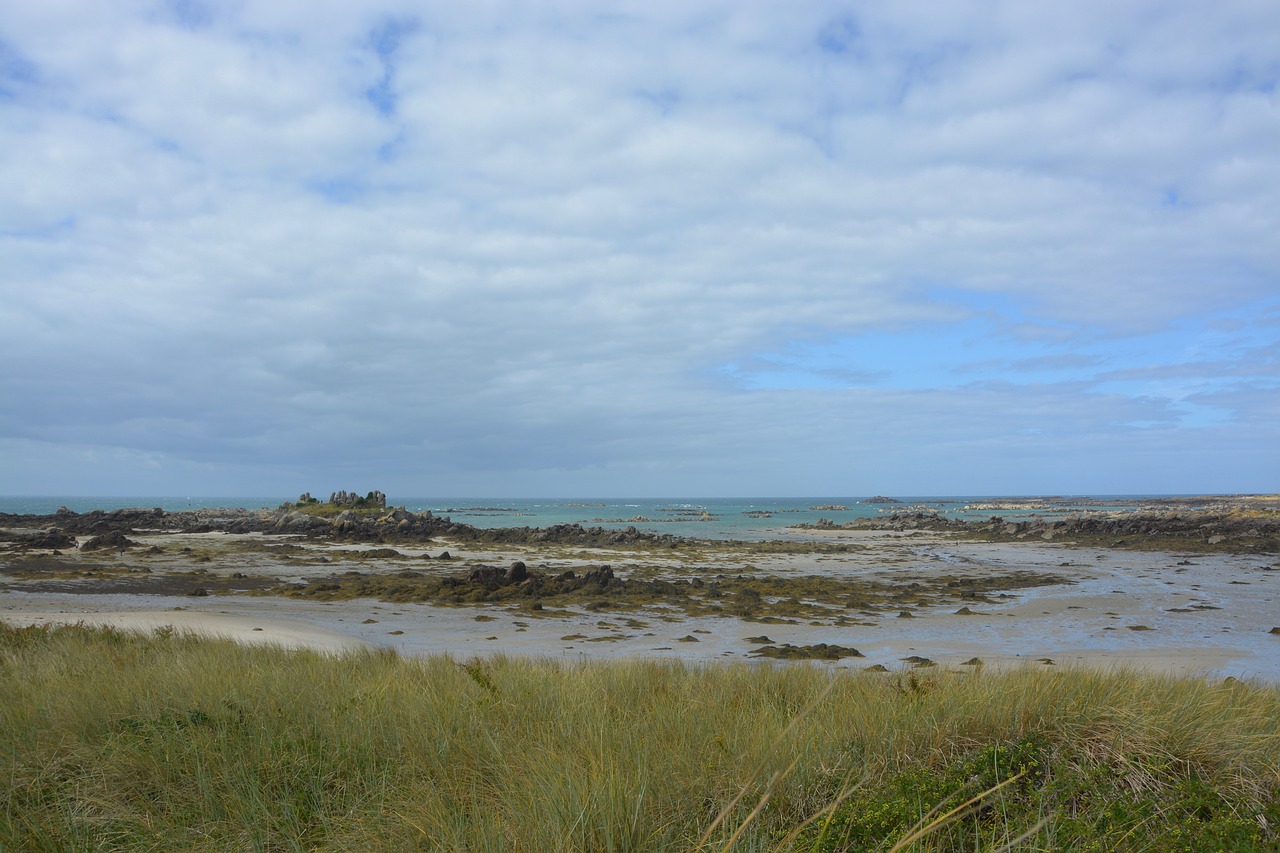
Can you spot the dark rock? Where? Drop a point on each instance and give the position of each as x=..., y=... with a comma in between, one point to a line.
x=516, y=572
x=601, y=575
x=817, y=651
x=114, y=539
x=50, y=539
x=398, y=526
x=1218, y=529
x=490, y=576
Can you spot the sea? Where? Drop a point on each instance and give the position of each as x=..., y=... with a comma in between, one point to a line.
x=702, y=518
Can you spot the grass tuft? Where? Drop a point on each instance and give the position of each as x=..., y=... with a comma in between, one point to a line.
x=112, y=741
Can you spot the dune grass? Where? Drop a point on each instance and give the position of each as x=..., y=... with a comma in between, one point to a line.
x=111, y=741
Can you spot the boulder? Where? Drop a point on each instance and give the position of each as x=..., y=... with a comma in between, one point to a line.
x=114, y=539
x=601, y=575
x=50, y=539
x=490, y=576
x=300, y=522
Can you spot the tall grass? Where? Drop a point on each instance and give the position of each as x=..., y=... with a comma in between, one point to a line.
x=164, y=742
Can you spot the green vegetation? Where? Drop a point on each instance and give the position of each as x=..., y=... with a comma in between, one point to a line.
x=329, y=510
x=165, y=742
x=371, y=505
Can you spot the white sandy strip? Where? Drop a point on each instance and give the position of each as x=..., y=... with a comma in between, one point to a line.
x=287, y=633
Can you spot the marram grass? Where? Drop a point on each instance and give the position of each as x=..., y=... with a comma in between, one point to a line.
x=165, y=742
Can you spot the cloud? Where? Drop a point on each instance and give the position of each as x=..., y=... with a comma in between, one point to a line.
x=667, y=249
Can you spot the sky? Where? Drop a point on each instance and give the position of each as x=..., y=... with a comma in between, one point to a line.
x=639, y=248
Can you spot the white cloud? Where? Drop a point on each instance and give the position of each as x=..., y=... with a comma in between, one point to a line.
x=490, y=238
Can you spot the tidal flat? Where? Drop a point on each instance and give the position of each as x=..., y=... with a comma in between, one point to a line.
x=896, y=596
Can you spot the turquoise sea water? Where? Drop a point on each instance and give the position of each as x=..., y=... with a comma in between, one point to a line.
x=742, y=518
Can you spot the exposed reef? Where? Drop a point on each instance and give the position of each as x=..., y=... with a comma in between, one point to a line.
x=816, y=651
x=709, y=592
x=368, y=522
x=1237, y=526
x=1246, y=524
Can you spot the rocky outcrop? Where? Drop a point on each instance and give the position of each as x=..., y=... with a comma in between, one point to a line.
x=1233, y=530
x=114, y=539
x=817, y=651
x=302, y=523
x=51, y=539
x=344, y=498
x=493, y=577
x=493, y=584
x=574, y=534
x=132, y=521
x=394, y=526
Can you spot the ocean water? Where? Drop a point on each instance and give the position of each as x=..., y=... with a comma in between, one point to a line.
x=710, y=518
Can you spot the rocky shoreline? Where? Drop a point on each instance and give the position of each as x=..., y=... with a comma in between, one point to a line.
x=1181, y=587
x=1232, y=527
x=1244, y=524
x=391, y=526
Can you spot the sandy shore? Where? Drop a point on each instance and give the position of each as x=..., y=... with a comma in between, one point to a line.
x=270, y=630
x=1183, y=614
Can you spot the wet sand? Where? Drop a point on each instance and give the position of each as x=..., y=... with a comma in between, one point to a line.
x=1184, y=614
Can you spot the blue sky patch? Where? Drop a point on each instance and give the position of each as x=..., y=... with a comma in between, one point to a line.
x=385, y=40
